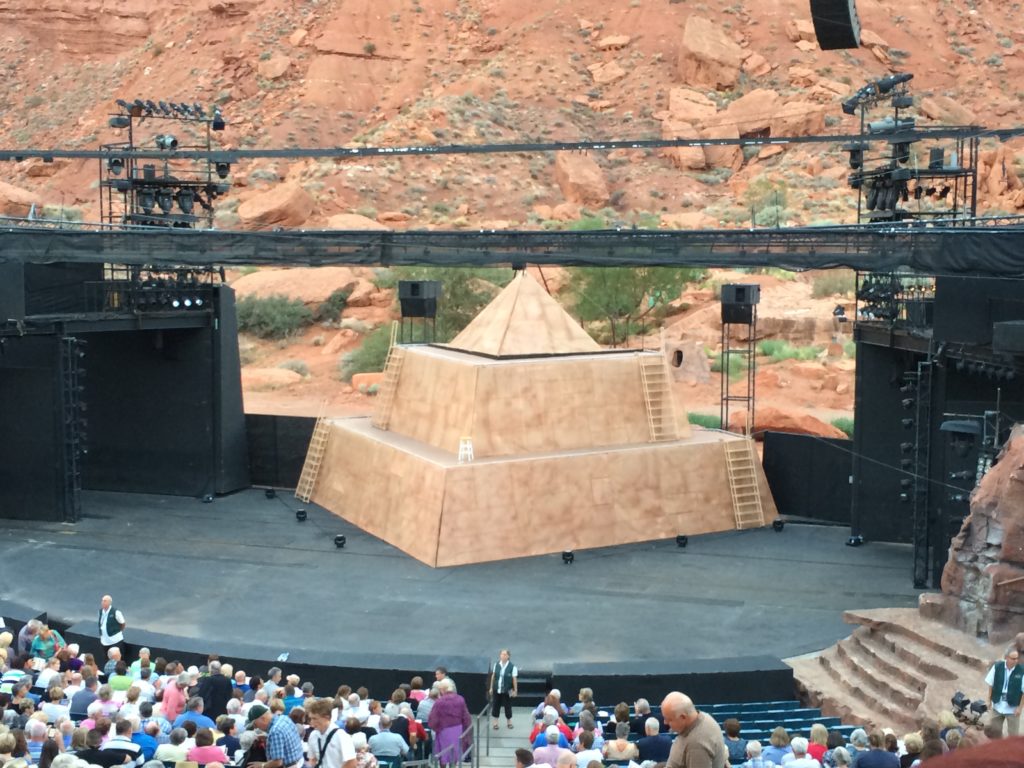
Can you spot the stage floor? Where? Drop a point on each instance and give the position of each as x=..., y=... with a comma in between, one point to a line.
x=243, y=569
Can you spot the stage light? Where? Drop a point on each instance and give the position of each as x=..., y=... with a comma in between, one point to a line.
x=906, y=463
x=682, y=541
x=907, y=423
x=339, y=541
x=568, y=557
x=223, y=169
x=115, y=165
x=978, y=708
x=270, y=493
x=208, y=498
x=218, y=120
x=855, y=541
x=300, y=515
x=146, y=199
x=164, y=108
x=850, y=105
x=165, y=199
x=907, y=403
x=186, y=200
x=124, y=105
x=150, y=106
x=906, y=483
x=198, y=109
x=778, y=525
x=906, y=447
x=166, y=142
x=904, y=498
x=187, y=303
x=119, y=121
x=959, y=498
x=198, y=302
x=965, y=474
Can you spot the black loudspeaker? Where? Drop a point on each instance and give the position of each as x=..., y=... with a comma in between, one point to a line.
x=738, y=300
x=12, y=291
x=836, y=24
x=418, y=298
x=1008, y=337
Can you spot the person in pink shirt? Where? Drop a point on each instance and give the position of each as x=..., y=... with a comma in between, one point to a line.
x=204, y=751
x=175, y=696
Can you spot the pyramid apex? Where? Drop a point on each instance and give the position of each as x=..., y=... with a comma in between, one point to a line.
x=523, y=319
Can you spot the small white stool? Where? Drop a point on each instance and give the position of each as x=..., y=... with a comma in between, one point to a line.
x=465, y=449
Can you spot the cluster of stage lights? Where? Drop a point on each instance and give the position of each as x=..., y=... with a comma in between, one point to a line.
x=992, y=371
x=173, y=110
x=966, y=709
x=170, y=292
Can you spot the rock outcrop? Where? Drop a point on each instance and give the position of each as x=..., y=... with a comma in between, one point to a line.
x=983, y=581
x=286, y=205
x=708, y=56
x=15, y=201
x=581, y=179
x=767, y=419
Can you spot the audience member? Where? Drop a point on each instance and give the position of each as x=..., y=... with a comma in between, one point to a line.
x=754, y=758
x=638, y=723
x=194, y=713
x=215, y=690
x=94, y=755
x=205, y=751
x=655, y=745
x=147, y=740
x=121, y=744
x=329, y=746
x=449, y=720
x=800, y=758
x=283, y=741
x=174, y=750
x=778, y=746
x=912, y=743
x=364, y=757
x=734, y=745
x=549, y=753
x=587, y=752
x=386, y=743
x=876, y=756
x=817, y=743
x=699, y=738
x=585, y=697
x=619, y=748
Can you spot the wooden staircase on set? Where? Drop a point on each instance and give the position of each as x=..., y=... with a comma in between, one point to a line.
x=895, y=668
x=661, y=410
x=741, y=465
x=314, y=456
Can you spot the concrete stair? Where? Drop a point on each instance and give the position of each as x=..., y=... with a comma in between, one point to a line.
x=895, y=668
x=504, y=742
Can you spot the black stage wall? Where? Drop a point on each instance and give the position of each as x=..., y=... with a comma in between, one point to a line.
x=809, y=476
x=277, y=448
x=877, y=512
x=708, y=681
x=31, y=429
x=165, y=409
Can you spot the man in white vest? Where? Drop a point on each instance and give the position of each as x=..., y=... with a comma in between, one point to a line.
x=1005, y=680
x=111, y=623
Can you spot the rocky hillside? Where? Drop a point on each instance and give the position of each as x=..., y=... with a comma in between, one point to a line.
x=332, y=72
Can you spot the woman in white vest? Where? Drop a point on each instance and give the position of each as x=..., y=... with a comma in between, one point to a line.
x=501, y=688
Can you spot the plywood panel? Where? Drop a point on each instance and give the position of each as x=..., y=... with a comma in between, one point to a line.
x=390, y=493
x=435, y=399
x=529, y=507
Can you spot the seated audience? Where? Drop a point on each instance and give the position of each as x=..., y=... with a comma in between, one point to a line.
x=205, y=751
x=587, y=752
x=655, y=745
x=174, y=750
x=620, y=748
x=754, y=758
x=778, y=746
x=734, y=745
x=551, y=750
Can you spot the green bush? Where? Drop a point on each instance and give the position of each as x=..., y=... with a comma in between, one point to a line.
x=779, y=350
x=706, y=420
x=332, y=308
x=845, y=424
x=370, y=356
x=736, y=365
x=275, y=317
x=295, y=365
x=834, y=282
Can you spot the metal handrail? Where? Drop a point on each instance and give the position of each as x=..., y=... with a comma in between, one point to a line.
x=470, y=755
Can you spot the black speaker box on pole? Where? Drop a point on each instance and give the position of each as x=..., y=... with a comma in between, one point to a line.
x=738, y=300
x=836, y=24
x=418, y=298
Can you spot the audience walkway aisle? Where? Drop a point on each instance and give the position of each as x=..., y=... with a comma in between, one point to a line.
x=505, y=742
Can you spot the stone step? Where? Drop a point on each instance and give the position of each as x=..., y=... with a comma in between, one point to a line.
x=887, y=659
x=910, y=625
x=854, y=687
x=817, y=688
x=861, y=666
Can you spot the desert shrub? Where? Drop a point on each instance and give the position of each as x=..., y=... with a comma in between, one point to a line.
x=779, y=350
x=274, y=317
x=845, y=424
x=850, y=349
x=834, y=282
x=369, y=356
x=332, y=308
x=295, y=365
x=736, y=365
x=706, y=420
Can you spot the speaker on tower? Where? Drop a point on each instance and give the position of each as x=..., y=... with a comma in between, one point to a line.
x=836, y=24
